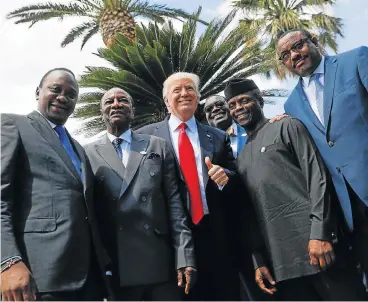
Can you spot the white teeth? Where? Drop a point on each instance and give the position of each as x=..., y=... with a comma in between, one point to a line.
x=242, y=115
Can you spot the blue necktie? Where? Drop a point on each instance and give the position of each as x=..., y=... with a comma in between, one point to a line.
x=64, y=139
x=116, y=143
x=319, y=95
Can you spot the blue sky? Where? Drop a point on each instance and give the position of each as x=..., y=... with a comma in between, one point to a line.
x=26, y=54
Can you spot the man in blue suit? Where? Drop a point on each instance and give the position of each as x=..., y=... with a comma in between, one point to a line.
x=331, y=99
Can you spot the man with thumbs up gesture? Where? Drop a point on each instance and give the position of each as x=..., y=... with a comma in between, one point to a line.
x=205, y=165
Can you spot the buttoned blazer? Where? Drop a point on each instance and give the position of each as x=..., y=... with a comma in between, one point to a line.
x=47, y=214
x=140, y=211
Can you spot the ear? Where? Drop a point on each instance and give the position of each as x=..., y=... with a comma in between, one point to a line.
x=37, y=93
x=315, y=41
x=167, y=103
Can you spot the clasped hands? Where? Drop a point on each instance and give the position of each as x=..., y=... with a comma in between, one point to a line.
x=187, y=276
x=321, y=255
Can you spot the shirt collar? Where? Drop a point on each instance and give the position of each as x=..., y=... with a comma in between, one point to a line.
x=319, y=69
x=232, y=130
x=174, y=123
x=51, y=123
x=126, y=136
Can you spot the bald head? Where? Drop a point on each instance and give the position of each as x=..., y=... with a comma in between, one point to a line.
x=117, y=110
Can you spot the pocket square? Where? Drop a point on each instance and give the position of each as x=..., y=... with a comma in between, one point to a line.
x=153, y=156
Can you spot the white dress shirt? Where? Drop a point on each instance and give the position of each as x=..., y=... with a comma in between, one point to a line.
x=310, y=87
x=125, y=145
x=192, y=133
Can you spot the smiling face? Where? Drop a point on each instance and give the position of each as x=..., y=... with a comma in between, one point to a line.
x=117, y=110
x=302, y=53
x=217, y=112
x=57, y=96
x=182, y=99
x=245, y=110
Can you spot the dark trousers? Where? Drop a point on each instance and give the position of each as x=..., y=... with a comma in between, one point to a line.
x=335, y=284
x=359, y=238
x=217, y=279
x=167, y=291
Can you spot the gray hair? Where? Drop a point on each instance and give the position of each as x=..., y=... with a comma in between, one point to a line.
x=178, y=76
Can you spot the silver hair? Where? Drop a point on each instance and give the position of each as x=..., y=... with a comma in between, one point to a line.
x=178, y=76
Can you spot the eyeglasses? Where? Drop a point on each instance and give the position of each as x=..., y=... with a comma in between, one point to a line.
x=296, y=47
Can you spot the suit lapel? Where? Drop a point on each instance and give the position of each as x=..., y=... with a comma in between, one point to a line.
x=206, y=144
x=137, y=149
x=329, y=85
x=108, y=153
x=164, y=132
x=306, y=107
x=44, y=128
x=85, y=177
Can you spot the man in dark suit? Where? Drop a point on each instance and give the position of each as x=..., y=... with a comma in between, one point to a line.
x=331, y=99
x=288, y=183
x=140, y=211
x=50, y=246
x=204, y=163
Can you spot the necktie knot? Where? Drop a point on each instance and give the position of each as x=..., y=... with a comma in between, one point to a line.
x=60, y=130
x=117, y=141
x=183, y=126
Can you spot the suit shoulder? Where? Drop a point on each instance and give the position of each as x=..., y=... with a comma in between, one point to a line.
x=148, y=129
x=215, y=131
x=353, y=52
x=12, y=116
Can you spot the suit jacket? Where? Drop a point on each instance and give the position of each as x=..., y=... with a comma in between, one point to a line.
x=47, y=214
x=140, y=212
x=216, y=145
x=343, y=142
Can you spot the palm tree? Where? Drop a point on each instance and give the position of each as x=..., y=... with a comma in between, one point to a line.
x=268, y=18
x=110, y=17
x=142, y=66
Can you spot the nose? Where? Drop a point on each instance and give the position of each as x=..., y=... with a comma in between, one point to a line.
x=238, y=106
x=116, y=103
x=294, y=55
x=183, y=92
x=61, y=98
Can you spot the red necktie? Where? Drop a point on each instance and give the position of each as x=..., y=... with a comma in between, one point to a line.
x=189, y=169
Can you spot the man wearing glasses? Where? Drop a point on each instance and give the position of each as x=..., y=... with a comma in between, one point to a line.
x=331, y=99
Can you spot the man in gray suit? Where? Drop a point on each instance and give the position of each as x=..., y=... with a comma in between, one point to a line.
x=140, y=211
x=50, y=248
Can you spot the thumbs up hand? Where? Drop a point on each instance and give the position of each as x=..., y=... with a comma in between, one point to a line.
x=216, y=173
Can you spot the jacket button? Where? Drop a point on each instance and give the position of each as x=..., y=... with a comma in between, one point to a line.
x=102, y=178
x=144, y=198
x=331, y=143
x=114, y=199
x=146, y=226
x=338, y=170
x=86, y=218
x=120, y=228
x=152, y=173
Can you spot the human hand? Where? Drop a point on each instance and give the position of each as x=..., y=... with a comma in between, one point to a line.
x=216, y=173
x=321, y=253
x=17, y=283
x=261, y=274
x=187, y=276
x=277, y=118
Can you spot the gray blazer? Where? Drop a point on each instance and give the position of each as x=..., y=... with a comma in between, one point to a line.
x=47, y=213
x=140, y=212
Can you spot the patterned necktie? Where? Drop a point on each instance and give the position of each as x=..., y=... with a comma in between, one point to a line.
x=64, y=139
x=319, y=95
x=116, y=143
x=189, y=169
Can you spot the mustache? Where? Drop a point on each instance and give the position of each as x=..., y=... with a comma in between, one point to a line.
x=297, y=59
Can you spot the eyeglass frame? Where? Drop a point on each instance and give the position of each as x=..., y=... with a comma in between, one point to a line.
x=294, y=49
